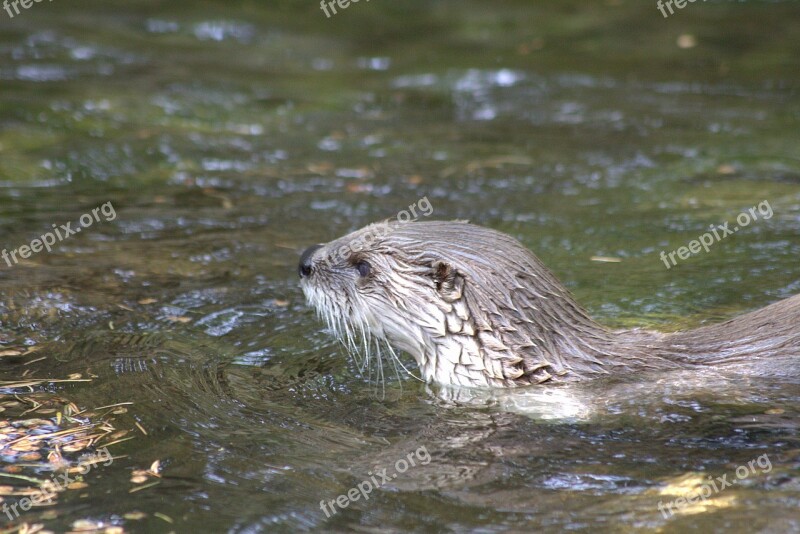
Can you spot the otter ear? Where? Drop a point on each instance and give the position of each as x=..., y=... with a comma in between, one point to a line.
x=449, y=283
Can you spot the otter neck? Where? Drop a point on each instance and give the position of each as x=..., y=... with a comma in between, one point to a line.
x=526, y=336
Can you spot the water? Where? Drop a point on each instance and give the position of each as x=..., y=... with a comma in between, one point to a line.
x=230, y=136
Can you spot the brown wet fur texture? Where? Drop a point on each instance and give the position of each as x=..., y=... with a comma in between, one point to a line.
x=474, y=307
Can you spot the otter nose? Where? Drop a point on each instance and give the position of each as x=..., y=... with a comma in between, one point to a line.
x=304, y=269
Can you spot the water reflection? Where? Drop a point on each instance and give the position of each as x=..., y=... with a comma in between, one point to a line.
x=229, y=137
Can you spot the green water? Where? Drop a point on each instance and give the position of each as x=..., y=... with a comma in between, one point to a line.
x=228, y=136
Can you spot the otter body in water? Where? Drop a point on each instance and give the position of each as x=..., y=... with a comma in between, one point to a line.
x=476, y=308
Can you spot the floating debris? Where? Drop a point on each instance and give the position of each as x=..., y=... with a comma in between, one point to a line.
x=686, y=40
x=49, y=444
x=22, y=384
x=86, y=526
x=163, y=517
x=21, y=351
x=140, y=476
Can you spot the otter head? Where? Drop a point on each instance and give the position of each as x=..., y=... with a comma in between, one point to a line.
x=471, y=305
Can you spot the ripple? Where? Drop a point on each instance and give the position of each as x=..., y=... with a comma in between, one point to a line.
x=222, y=30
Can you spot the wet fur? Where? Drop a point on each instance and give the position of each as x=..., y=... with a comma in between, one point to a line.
x=475, y=308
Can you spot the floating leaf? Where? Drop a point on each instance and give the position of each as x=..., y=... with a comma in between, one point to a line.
x=686, y=41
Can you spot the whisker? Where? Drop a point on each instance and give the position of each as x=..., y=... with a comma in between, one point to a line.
x=396, y=358
x=394, y=365
x=383, y=378
x=350, y=327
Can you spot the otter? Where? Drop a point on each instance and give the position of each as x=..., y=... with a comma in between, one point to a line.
x=474, y=307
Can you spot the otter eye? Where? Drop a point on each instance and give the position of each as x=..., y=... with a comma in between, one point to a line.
x=363, y=268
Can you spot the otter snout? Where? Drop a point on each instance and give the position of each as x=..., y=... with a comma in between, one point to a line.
x=305, y=268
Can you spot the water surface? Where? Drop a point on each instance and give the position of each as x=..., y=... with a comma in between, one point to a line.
x=230, y=136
